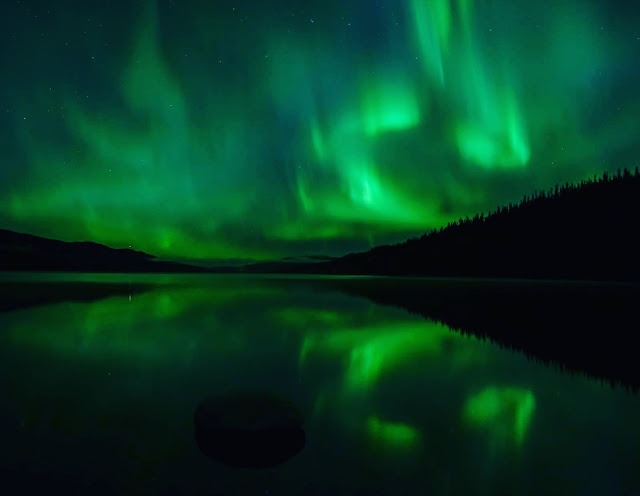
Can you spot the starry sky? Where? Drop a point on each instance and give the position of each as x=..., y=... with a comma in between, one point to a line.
x=251, y=130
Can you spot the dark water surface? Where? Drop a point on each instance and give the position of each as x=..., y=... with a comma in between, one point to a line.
x=100, y=376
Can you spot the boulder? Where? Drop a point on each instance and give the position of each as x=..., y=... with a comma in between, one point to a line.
x=249, y=429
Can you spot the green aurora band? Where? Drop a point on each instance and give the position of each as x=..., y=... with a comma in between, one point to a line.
x=505, y=412
x=394, y=434
x=210, y=130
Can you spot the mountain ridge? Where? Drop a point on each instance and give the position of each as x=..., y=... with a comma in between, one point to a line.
x=21, y=251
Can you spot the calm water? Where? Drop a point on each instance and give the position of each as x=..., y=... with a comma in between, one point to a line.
x=98, y=397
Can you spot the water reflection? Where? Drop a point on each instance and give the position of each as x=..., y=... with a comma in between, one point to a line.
x=394, y=403
x=505, y=412
x=248, y=429
x=584, y=327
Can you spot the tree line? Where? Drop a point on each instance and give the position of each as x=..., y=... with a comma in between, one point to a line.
x=572, y=231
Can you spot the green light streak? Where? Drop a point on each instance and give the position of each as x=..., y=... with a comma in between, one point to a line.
x=506, y=412
x=370, y=352
x=501, y=143
x=395, y=434
x=390, y=107
x=433, y=26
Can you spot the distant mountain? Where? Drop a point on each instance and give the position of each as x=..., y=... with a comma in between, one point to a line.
x=587, y=231
x=26, y=252
x=286, y=265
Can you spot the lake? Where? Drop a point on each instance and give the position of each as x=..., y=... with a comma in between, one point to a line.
x=101, y=375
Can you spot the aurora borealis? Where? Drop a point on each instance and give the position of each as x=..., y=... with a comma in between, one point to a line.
x=256, y=130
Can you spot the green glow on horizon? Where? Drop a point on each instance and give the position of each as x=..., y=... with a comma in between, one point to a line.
x=275, y=136
x=394, y=434
x=505, y=411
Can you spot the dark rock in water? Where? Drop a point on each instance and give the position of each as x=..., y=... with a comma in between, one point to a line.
x=249, y=429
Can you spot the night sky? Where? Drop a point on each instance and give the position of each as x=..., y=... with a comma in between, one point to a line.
x=261, y=129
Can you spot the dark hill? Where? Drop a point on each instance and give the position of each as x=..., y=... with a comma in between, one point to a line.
x=26, y=252
x=586, y=231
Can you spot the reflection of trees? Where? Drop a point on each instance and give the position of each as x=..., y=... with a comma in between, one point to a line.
x=584, y=327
